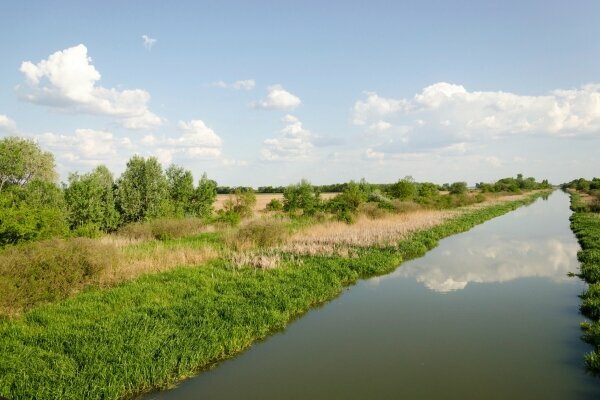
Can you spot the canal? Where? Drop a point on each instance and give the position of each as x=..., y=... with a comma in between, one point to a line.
x=488, y=314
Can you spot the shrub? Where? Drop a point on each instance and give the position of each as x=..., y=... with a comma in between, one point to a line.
x=241, y=202
x=274, y=205
x=162, y=229
x=399, y=206
x=262, y=233
x=50, y=270
x=372, y=210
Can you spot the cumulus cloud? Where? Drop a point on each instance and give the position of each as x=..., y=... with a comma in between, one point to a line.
x=86, y=146
x=375, y=106
x=278, y=99
x=196, y=140
x=294, y=143
x=452, y=111
x=246, y=84
x=7, y=125
x=67, y=80
x=148, y=42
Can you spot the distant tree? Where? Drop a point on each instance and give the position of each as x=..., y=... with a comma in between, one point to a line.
x=90, y=200
x=404, y=189
x=301, y=196
x=241, y=203
x=180, y=183
x=22, y=160
x=142, y=190
x=458, y=188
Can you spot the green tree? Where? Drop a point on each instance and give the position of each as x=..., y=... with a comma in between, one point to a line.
x=180, y=184
x=302, y=196
x=458, y=188
x=35, y=211
x=404, y=189
x=90, y=200
x=22, y=160
x=142, y=190
x=204, y=197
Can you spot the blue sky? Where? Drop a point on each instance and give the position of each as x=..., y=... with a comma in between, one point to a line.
x=267, y=93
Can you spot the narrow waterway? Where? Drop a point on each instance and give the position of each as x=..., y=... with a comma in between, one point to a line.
x=488, y=314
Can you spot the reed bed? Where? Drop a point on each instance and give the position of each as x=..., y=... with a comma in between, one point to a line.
x=336, y=237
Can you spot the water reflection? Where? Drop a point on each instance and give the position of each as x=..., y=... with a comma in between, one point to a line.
x=501, y=260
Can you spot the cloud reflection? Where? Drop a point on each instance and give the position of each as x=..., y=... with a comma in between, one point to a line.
x=495, y=260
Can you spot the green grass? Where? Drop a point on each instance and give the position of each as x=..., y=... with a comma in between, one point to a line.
x=586, y=226
x=152, y=332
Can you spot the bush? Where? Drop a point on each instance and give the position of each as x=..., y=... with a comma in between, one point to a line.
x=241, y=203
x=262, y=233
x=372, y=210
x=162, y=229
x=274, y=205
x=50, y=270
x=399, y=206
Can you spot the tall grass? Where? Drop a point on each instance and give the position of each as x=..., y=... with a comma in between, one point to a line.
x=160, y=328
x=585, y=223
x=51, y=270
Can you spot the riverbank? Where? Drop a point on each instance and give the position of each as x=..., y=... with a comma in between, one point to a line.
x=586, y=226
x=158, y=329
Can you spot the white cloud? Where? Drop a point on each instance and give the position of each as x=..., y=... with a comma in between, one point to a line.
x=294, y=143
x=246, y=84
x=196, y=141
x=379, y=126
x=67, y=80
x=375, y=107
x=278, y=99
x=148, y=42
x=234, y=163
x=450, y=111
x=86, y=146
x=7, y=125
x=374, y=155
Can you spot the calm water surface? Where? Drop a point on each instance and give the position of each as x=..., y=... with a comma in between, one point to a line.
x=488, y=314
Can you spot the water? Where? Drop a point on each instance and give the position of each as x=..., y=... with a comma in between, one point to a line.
x=488, y=314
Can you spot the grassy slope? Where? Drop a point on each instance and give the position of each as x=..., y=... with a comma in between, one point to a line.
x=586, y=226
x=115, y=343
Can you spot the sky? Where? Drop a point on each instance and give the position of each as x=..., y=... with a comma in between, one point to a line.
x=261, y=93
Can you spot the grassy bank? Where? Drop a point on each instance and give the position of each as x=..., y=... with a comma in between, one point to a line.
x=586, y=226
x=155, y=330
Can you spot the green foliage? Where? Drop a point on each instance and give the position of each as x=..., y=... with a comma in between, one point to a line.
x=585, y=223
x=458, y=188
x=274, y=205
x=204, y=196
x=142, y=190
x=51, y=270
x=90, y=200
x=35, y=211
x=404, y=189
x=162, y=228
x=345, y=205
x=180, y=183
x=22, y=161
x=301, y=196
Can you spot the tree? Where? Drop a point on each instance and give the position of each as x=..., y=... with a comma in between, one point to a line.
x=180, y=184
x=458, y=188
x=142, y=190
x=204, y=197
x=32, y=212
x=22, y=160
x=404, y=189
x=301, y=196
x=90, y=200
